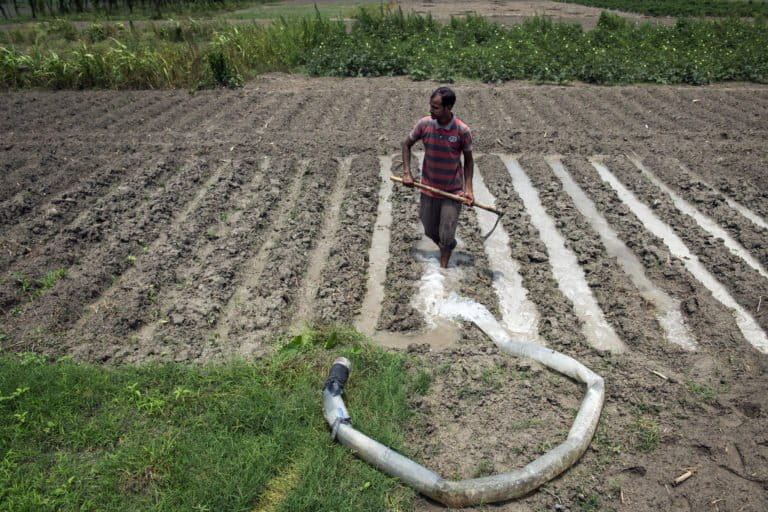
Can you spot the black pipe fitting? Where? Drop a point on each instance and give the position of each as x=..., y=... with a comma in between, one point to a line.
x=338, y=376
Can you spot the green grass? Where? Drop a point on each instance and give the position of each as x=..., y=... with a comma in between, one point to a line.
x=237, y=436
x=682, y=7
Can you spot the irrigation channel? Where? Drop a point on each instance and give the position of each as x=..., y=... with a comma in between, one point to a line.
x=167, y=226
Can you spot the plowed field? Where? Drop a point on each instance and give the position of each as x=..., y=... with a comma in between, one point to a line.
x=197, y=227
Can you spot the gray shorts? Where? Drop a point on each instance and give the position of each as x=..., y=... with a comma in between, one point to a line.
x=440, y=216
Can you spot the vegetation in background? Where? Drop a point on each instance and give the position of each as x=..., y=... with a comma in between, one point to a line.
x=29, y=10
x=742, y=8
x=242, y=436
x=381, y=42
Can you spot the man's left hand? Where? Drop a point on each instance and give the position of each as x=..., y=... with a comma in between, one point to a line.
x=469, y=197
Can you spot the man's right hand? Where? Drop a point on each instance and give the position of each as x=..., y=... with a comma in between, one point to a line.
x=407, y=179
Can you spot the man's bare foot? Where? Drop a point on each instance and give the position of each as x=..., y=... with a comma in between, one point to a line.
x=444, y=257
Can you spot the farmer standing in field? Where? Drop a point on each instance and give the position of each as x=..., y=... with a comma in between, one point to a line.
x=445, y=139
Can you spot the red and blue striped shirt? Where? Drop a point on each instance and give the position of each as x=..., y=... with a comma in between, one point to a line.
x=443, y=147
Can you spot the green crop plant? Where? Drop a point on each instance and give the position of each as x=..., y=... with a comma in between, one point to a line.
x=381, y=42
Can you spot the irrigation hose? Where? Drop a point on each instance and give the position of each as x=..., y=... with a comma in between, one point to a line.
x=499, y=487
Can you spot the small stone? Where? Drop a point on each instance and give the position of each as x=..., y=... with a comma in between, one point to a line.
x=177, y=319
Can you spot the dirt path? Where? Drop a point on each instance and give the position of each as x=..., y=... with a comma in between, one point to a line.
x=197, y=227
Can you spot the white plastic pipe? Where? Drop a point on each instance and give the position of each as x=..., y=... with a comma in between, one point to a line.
x=488, y=489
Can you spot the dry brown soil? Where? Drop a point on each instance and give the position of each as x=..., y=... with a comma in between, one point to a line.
x=195, y=227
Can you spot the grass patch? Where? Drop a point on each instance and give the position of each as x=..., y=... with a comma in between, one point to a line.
x=239, y=436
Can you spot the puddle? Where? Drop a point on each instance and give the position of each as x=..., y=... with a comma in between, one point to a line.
x=704, y=221
x=667, y=308
x=747, y=325
x=518, y=314
x=565, y=267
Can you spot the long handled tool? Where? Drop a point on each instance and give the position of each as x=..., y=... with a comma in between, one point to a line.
x=455, y=197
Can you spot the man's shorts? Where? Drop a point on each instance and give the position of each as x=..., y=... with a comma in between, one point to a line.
x=440, y=216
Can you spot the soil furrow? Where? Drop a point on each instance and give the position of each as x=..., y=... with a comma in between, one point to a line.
x=269, y=304
x=272, y=225
x=620, y=300
x=712, y=112
x=713, y=204
x=403, y=271
x=138, y=110
x=39, y=212
x=533, y=122
x=109, y=109
x=725, y=170
x=38, y=236
x=318, y=258
x=343, y=284
x=205, y=105
x=558, y=323
x=115, y=235
x=248, y=119
x=166, y=113
x=477, y=278
x=128, y=303
x=699, y=308
x=636, y=100
x=745, y=284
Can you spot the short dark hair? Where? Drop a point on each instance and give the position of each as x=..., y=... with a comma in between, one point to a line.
x=447, y=96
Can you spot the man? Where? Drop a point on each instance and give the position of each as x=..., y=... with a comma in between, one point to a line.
x=445, y=139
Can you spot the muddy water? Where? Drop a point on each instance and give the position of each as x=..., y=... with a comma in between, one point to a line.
x=565, y=266
x=749, y=328
x=669, y=315
x=706, y=222
x=518, y=314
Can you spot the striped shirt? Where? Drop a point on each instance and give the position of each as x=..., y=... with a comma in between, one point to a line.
x=443, y=146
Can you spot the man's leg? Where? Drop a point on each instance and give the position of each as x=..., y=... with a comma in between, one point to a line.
x=429, y=212
x=449, y=220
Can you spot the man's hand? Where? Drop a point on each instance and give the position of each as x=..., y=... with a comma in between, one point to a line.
x=408, y=179
x=469, y=197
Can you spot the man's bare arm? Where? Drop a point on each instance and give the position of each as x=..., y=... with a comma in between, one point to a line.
x=407, y=176
x=469, y=172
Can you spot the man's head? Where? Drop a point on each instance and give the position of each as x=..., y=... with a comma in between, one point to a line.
x=441, y=103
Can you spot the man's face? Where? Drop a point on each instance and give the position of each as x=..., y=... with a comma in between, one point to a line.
x=436, y=108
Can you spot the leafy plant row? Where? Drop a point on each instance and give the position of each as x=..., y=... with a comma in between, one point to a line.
x=682, y=7
x=384, y=42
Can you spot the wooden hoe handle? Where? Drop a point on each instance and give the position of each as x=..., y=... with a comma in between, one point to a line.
x=443, y=193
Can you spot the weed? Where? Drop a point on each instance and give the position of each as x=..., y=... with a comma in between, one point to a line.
x=702, y=392
x=646, y=433
x=588, y=502
x=422, y=382
x=35, y=288
x=131, y=259
x=484, y=468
